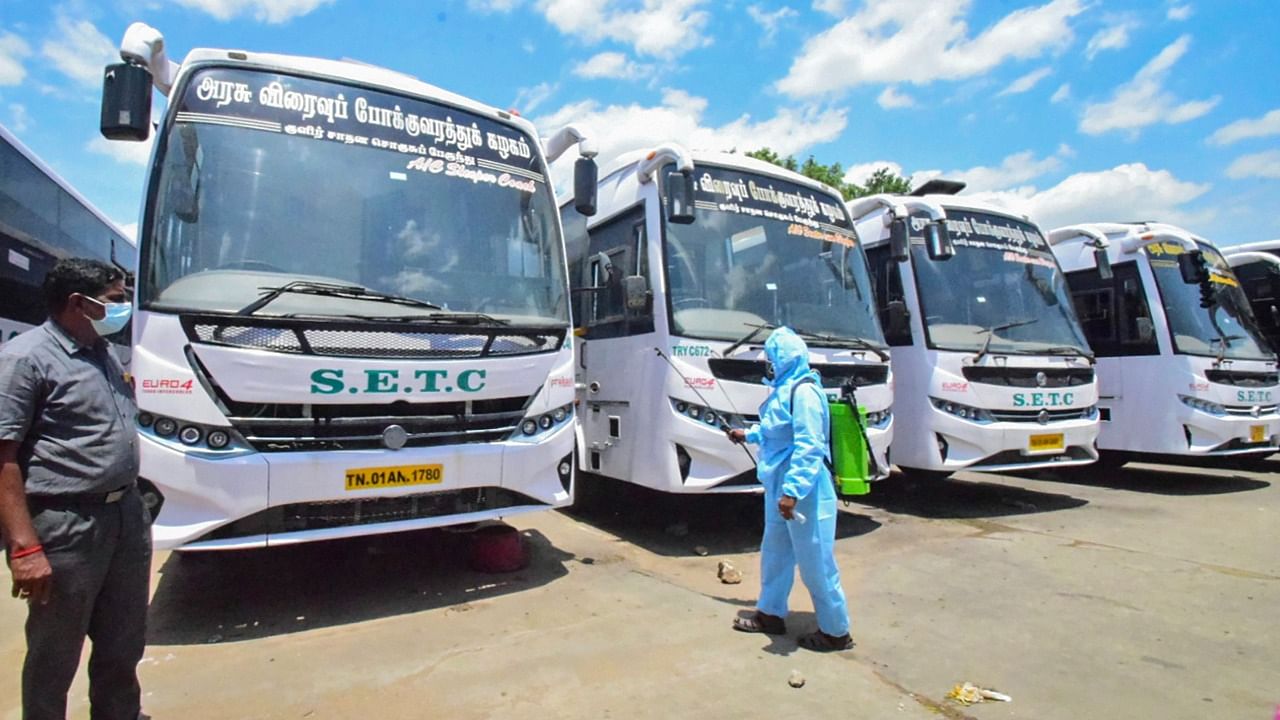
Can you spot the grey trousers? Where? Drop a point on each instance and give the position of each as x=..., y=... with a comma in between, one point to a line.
x=101, y=559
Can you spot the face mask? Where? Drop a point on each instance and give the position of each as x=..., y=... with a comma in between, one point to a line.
x=768, y=370
x=117, y=316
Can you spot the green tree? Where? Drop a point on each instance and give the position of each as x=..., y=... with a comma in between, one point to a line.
x=883, y=180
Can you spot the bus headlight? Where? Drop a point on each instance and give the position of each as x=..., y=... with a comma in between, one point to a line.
x=538, y=424
x=218, y=439
x=1204, y=406
x=964, y=412
x=190, y=435
x=165, y=427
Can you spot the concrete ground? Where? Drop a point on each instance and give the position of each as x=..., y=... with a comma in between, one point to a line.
x=1148, y=592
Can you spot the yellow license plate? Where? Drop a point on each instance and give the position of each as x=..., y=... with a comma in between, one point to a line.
x=377, y=478
x=1257, y=433
x=1043, y=443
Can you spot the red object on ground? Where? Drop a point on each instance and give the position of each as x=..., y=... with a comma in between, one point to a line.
x=497, y=549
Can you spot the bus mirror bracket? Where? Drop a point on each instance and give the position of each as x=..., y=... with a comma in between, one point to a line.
x=680, y=193
x=585, y=176
x=899, y=242
x=937, y=241
x=1102, y=260
x=126, y=102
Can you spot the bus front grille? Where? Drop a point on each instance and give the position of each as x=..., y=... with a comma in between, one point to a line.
x=278, y=427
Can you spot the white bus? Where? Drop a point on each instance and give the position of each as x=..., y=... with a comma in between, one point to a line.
x=352, y=304
x=993, y=369
x=1257, y=267
x=42, y=220
x=692, y=259
x=1182, y=367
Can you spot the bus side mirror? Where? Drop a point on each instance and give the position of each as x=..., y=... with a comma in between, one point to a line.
x=1191, y=266
x=899, y=243
x=937, y=241
x=679, y=198
x=585, y=176
x=1146, y=331
x=1103, y=261
x=126, y=102
x=636, y=291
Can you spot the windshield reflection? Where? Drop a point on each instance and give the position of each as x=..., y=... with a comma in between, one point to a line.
x=745, y=262
x=1002, y=277
x=444, y=225
x=1228, y=329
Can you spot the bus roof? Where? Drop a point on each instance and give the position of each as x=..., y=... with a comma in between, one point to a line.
x=734, y=160
x=1268, y=246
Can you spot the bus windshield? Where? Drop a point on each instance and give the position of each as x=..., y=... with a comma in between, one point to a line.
x=766, y=251
x=1228, y=329
x=1003, y=289
x=270, y=179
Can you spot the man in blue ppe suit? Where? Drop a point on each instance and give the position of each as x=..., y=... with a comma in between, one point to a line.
x=799, y=497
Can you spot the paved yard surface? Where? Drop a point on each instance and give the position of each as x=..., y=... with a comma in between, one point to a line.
x=1148, y=592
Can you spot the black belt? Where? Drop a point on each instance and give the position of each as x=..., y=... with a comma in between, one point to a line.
x=79, y=499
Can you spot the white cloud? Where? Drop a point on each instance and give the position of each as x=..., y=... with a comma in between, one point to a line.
x=679, y=118
x=1125, y=192
x=1114, y=37
x=1026, y=82
x=1178, y=13
x=891, y=99
x=1062, y=94
x=769, y=21
x=1013, y=170
x=122, y=151
x=19, y=118
x=1144, y=101
x=611, y=65
x=528, y=46
x=861, y=172
x=1244, y=129
x=529, y=99
x=269, y=11
x=920, y=41
x=80, y=51
x=492, y=6
x=663, y=28
x=12, y=51
x=1261, y=165
x=830, y=7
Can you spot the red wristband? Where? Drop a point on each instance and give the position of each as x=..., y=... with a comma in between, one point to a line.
x=25, y=552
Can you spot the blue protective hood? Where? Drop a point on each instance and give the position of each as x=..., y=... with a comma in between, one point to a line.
x=789, y=355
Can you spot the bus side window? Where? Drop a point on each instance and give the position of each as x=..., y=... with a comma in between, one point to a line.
x=891, y=301
x=624, y=242
x=1114, y=313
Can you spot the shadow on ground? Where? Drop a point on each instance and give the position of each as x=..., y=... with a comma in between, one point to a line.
x=955, y=498
x=233, y=596
x=1182, y=479
x=674, y=525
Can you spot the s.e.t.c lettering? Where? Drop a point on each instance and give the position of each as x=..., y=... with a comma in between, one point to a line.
x=378, y=381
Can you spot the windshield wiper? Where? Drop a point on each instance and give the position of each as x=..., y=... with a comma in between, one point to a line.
x=1069, y=350
x=755, y=330
x=851, y=340
x=1225, y=341
x=435, y=317
x=311, y=287
x=991, y=332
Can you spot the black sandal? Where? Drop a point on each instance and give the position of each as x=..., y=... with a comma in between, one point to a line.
x=819, y=641
x=761, y=623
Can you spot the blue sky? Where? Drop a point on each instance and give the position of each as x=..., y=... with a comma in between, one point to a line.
x=1071, y=110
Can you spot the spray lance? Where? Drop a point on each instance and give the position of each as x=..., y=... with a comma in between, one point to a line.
x=724, y=425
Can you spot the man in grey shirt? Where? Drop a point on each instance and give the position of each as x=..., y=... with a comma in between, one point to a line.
x=76, y=533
